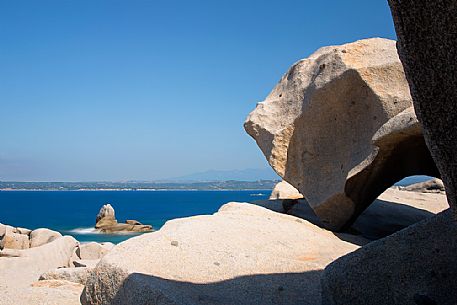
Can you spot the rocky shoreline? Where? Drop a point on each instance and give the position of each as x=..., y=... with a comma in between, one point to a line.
x=279, y=266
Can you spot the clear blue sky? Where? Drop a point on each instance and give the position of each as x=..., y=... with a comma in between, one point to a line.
x=116, y=90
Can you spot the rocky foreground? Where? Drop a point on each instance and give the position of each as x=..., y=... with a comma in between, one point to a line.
x=243, y=254
x=50, y=273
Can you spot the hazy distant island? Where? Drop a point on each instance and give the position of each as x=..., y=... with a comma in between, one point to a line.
x=137, y=186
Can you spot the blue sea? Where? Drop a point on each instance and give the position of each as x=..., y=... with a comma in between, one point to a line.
x=73, y=212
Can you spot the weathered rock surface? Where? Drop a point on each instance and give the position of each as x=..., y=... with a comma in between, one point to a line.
x=408, y=267
x=427, y=45
x=431, y=186
x=244, y=254
x=10, y=252
x=74, y=256
x=105, y=217
x=93, y=250
x=42, y=236
x=124, y=227
x=18, y=273
x=107, y=223
x=51, y=292
x=283, y=190
x=75, y=275
x=22, y=238
x=392, y=211
x=23, y=231
x=12, y=240
x=322, y=128
x=90, y=263
x=6, y=228
x=395, y=210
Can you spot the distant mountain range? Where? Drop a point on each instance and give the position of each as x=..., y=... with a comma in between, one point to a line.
x=250, y=174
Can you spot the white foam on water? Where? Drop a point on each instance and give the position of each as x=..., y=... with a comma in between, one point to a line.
x=258, y=194
x=92, y=231
x=84, y=231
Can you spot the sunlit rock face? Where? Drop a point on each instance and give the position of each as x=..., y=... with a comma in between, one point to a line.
x=321, y=128
x=284, y=190
x=243, y=254
x=106, y=222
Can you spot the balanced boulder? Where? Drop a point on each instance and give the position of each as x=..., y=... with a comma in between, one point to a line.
x=322, y=128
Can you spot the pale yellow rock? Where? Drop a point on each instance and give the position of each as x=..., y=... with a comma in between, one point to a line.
x=6, y=229
x=53, y=292
x=283, y=190
x=91, y=263
x=42, y=236
x=243, y=254
x=12, y=240
x=24, y=231
x=316, y=128
x=107, y=223
x=75, y=275
x=106, y=216
x=18, y=273
x=10, y=253
x=93, y=250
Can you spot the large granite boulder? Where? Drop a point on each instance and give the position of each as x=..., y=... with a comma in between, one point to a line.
x=414, y=266
x=243, y=254
x=321, y=128
x=42, y=236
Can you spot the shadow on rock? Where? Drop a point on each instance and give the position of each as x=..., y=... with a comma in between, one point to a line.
x=287, y=288
x=382, y=218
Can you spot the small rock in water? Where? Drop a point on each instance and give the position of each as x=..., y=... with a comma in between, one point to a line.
x=107, y=223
